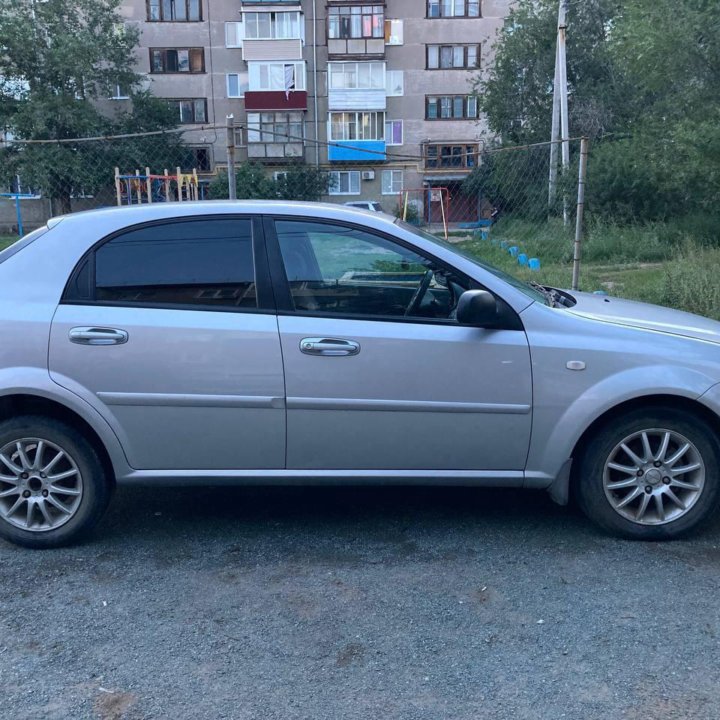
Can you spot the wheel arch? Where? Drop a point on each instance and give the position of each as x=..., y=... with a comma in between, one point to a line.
x=656, y=401
x=17, y=404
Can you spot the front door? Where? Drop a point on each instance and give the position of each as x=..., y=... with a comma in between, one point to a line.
x=378, y=374
x=166, y=329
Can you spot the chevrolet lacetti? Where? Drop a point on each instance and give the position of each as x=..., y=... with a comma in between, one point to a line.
x=301, y=343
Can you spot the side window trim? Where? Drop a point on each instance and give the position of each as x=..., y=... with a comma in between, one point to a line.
x=261, y=271
x=283, y=295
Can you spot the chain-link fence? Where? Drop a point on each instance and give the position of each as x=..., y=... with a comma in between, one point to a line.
x=504, y=204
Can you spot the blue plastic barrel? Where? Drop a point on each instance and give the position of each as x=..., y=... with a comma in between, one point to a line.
x=534, y=263
x=522, y=259
x=514, y=250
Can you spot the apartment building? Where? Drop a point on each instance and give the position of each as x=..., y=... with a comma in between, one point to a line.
x=376, y=93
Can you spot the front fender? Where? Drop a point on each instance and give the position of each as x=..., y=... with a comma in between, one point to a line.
x=557, y=427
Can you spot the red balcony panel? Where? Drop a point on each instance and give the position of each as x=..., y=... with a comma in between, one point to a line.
x=275, y=100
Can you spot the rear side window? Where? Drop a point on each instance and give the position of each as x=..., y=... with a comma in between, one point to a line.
x=193, y=263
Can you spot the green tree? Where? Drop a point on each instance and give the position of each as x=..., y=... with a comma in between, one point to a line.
x=60, y=62
x=253, y=182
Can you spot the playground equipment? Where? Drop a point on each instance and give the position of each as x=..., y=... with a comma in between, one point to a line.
x=17, y=197
x=427, y=205
x=148, y=188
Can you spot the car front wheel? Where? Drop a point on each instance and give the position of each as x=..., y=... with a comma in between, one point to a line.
x=650, y=475
x=53, y=488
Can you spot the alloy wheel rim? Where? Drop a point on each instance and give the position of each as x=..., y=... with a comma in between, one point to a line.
x=654, y=476
x=41, y=486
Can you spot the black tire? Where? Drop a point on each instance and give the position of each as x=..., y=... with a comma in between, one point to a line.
x=97, y=487
x=589, y=477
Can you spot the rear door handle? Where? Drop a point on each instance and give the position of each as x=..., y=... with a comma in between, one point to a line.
x=98, y=336
x=329, y=346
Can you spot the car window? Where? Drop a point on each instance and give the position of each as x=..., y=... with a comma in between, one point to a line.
x=199, y=262
x=334, y=268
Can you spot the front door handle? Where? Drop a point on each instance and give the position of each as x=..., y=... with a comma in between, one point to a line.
x=98, y=336
x=329, y=346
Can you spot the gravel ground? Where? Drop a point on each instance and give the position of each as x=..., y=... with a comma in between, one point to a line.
x=358, y=603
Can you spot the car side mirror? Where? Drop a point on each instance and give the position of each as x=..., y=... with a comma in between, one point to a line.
x=477, y=308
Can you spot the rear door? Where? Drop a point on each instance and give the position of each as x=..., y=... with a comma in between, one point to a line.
x=379, y=375
x=169, y=330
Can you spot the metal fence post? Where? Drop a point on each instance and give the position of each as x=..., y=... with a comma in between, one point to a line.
x=582, y=173
x=231, y=156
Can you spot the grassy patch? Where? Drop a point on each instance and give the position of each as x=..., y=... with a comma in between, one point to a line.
x=6, y=240
x=684, y=278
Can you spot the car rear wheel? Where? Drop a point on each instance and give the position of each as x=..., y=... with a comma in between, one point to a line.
x=650, y=475
x=53, y=488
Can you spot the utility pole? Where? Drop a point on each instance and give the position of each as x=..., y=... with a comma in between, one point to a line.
x=560, y=123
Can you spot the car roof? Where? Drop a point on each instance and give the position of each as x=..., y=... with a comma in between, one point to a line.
x=119, y=217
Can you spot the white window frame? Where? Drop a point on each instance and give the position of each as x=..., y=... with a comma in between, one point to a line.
x=379, y=125
x=242, y=86
x=255, y=75
x=393, y=32
x=388, y=136
x=388, y=183
x=234, y=34
x=352, y=175
x=250, y=21
x=119, y=94
x=394, y=80
x=346, y=70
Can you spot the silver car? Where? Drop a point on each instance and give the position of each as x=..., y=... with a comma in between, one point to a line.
x=272, y=342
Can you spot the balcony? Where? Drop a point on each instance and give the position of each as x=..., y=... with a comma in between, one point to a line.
x=275, y=100
x=357, y=151
x=290, y=49
x=276, y=152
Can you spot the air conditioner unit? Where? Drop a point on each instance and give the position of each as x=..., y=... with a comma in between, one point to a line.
x=368, y=175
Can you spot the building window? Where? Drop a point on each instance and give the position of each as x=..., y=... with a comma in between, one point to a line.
x=279, y=127
x=201, y=159
x=119, y=92
x=452, y=57
x=392, y=182
x=237, y=84
x=395, y=83
x=234, y=34
x=450, y=156
x=192, y=111
x=177, y=60
x=272, y=25
x=344, y=182
x=357, y=125
x=394, y=132
x=451, y=107
x=393, y=32
x=356, y=75
x=453, y=8
x=277, y=75
x=174, y=10
x=356, y=21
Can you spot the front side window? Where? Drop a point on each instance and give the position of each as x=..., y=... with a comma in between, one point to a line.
x=174, y=10
x=196, y=263
x=342, y=270
x=356, y=22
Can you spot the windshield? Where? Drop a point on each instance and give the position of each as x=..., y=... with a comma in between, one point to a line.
x=509, y=279
x=18, y=245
